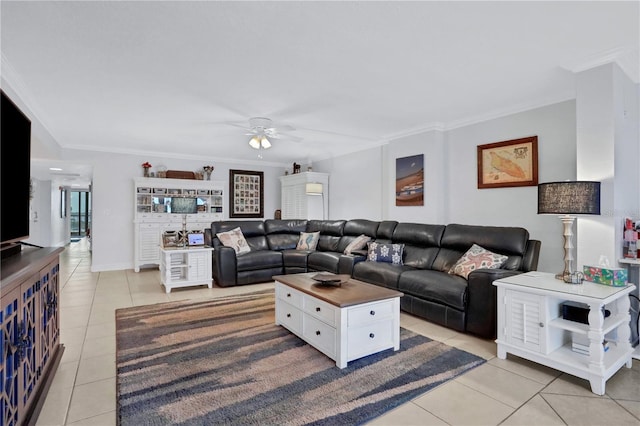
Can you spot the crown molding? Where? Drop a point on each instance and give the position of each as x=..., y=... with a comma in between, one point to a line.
x=11, y=80
x=515, y=109
x=161, y=154
x=627, y=57
x=430, y=127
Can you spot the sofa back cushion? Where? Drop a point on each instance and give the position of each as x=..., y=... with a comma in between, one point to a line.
x=353, y=229
x=457, y=239
x=385, y=231
x=284, y=234
x=421, y=243
x=253, y=231
x=330, y=233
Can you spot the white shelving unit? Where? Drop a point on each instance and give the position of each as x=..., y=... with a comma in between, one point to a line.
x=296, y=204
x=185, y=267
x=530, y=325
x=152, y=216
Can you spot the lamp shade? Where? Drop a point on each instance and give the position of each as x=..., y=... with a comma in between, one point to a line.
x=570, y=197
x=313, y=189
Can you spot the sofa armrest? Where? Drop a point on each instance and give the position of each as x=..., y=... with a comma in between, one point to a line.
x=224, y=266
x=531, y=256
x=347, y=262
x=481, y=301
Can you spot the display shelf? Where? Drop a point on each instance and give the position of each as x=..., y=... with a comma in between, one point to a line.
x=153, y=217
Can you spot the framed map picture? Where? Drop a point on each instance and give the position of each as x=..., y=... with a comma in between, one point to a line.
x=246, y=191
x=508, y=163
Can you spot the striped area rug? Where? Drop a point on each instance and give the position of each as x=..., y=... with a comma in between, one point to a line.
x=224, y=361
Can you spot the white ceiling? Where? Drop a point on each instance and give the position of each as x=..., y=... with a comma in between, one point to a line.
x=168, y=76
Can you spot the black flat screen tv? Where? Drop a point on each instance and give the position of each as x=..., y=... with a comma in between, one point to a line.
x=15, y=173
x=186, y=205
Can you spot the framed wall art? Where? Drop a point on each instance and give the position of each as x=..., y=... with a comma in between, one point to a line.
x=508, y=163
x=246, y=194
x=410, y=181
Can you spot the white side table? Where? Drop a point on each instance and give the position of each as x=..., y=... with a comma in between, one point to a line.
x=530, y=325
x=185, y=267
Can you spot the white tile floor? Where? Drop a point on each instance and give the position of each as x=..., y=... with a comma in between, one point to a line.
x=505, y=392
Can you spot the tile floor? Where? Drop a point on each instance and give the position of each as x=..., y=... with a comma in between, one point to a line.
x=500, y=392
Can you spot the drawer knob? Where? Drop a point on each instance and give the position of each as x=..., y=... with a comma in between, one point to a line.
x=318, y=309
x=288, y=315
x=372, y=335
x=541, y=325
x=288, y=294
x=372, y=312
x=317, y=332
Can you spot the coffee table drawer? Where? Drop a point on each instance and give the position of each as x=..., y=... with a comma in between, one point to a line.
x=320, y=335
x=289, y=295
x=369, y=339
x=319, y=309
x=290, y=317
x=370, y=312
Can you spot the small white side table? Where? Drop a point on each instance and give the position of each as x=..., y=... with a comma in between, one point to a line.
x=185, y=267
x=530, y=325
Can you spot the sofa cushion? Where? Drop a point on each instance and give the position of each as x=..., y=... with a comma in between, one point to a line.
x=382, y=274
x=234, y=239
x=434, y=286
x=295, y=258
x=323, y=261
x=330, y=233
x=457, y=239
x=388, y=253
x=259, y=259
x=284, y=234
x=358, y=243
x=421, y=243
x=308, y=241
x=477, y=258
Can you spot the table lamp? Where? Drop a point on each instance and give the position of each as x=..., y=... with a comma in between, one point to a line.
x=315, y=188
x=567, y=199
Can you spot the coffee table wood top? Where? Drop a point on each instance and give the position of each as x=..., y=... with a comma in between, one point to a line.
x=351, y=292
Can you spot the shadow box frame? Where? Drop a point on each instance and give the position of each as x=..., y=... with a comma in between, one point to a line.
x=246, y=194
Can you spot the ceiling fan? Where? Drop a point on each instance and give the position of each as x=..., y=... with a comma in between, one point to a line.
x=262, y=130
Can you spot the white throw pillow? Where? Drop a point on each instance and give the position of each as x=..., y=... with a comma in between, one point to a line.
x=308, y=240
x=477, y=258
x=359, y=243
x=235, y=240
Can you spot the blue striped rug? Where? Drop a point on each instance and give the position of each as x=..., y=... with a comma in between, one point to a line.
x=224, y=361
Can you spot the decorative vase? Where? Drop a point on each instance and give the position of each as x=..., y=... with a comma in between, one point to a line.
x=145, y=171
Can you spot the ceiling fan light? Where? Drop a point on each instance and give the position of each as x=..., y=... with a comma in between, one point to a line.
x=265, y=143
x=254, y=142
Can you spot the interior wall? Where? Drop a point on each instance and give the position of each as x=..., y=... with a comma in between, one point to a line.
x=556, y=130
x=431, y=145
x=113, y=199
x=354, y=184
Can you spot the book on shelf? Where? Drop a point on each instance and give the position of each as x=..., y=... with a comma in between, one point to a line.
x=584, y=349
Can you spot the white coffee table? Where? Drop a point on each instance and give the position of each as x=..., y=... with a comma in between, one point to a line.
x=345, y=323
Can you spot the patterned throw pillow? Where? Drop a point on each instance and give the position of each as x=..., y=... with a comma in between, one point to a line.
x=234, y=239
x=308, y=240
x=389, y=253
x=359, y=243
x=477, y=258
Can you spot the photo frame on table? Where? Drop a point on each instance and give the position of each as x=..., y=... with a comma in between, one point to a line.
x=508, y=163
x=246, y=194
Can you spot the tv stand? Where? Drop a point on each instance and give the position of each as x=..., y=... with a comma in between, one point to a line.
x=9, y=250
x=29, y=301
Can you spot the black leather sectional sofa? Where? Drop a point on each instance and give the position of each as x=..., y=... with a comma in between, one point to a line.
x=430, y=292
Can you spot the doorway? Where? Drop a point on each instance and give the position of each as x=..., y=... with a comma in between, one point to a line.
x=80, y=215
